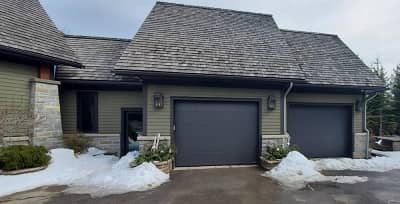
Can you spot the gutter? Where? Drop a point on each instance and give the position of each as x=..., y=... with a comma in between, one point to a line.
x=367, y=99
x=285, y=110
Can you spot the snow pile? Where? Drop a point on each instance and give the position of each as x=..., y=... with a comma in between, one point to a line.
x=93, y=173
x=390, y=161
x=295, y=171
x=120, y=178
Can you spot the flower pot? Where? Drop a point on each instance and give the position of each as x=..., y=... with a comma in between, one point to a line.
x=268, y=164
x=164, y=166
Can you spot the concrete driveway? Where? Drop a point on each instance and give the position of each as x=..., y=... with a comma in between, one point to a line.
x=234, y=185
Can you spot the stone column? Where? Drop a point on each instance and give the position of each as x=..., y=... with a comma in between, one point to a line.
x=45, y=102
x=360, y=145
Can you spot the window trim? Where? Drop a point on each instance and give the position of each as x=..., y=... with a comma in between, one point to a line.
x=78, y=112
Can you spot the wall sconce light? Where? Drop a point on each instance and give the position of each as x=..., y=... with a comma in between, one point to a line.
x=358, y=105
x=158, y=100
x=271, y=103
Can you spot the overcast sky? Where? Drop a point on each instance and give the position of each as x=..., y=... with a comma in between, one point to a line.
x=371, y=28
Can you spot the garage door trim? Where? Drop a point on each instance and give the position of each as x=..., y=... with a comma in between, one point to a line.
x=174, y=99
x=348, y=105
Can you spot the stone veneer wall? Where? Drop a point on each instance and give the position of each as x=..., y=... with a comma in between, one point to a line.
x=108, y=142
x=146, y=141
x=359, y=145
x=273, y=141
x=45, y=102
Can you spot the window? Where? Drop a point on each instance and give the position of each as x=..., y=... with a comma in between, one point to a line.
x=87, y=112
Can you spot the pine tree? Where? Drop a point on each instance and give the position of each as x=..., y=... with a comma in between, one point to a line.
x=396, y=99
x=379, y=109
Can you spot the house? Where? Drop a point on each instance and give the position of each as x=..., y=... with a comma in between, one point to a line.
x=220, y=85
x=30, y=48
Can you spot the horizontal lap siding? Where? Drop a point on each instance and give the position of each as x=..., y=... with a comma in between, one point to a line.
x=68, y=111
x=15, y=90
x=110, y=104
x=331, y=98
x=15, y=84
x=109, y=109
x=159, y=120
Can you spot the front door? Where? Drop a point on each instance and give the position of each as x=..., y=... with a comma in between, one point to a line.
x=132, y=127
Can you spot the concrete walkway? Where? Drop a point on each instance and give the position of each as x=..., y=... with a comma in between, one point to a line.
x=234, y=185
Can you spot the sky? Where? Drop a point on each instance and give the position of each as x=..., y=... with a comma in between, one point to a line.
x=371, y=28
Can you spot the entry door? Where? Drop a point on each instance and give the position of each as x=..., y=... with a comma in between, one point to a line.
x=131, y=128
x=216, y=133
x=321, y=130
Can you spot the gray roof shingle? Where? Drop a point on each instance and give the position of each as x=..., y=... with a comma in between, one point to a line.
x=98, y=55
x=326, y=60
x=26, y=28
x=189, y=40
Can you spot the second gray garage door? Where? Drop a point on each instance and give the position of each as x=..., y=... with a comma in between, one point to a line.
x=321, y=130
x=216, y=133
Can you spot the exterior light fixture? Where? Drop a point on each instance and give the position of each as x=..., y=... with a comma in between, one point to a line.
x=158, y=100
x=271, y=103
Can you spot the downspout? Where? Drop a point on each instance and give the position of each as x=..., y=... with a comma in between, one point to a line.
x=367, y=99
x=285, y=131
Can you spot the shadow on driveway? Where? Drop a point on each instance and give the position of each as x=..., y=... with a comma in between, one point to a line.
x=235, y=185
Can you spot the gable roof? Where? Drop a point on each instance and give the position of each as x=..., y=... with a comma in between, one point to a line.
x=98, y=55
x=326, y=60
x=192, y=40
x=26, y=29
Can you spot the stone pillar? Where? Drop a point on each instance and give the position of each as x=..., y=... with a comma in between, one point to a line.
x=45, y=102
x=273, y=141
x=360, y=145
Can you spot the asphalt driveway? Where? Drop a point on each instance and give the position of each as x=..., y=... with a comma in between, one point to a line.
x=234, y=185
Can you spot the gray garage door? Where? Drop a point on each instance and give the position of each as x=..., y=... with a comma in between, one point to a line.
x=321, y=130
x=216, y=133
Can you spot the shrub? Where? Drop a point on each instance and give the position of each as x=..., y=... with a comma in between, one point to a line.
x=163, y=153
x=17, y=157
x=276, y=153
x=77, y=142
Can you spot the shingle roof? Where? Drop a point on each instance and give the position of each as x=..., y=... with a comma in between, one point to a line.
x=326, y=60
x=25, y=28
x=98, y=55
x=189, y=40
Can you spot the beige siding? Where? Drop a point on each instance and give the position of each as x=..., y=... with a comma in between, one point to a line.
x=109, y=109
x=331, y=98
x=159, y=120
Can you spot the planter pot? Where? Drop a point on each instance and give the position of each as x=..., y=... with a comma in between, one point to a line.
x=164, y=166
x=268, y=164
x=23, y=171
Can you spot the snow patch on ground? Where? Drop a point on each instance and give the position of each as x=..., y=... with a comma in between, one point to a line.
x=389, y=161
x=296, y=171
x=93, y=173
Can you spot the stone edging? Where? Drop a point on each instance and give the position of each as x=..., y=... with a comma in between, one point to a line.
x=151, y=138
x=23, y=171
x=275, y=136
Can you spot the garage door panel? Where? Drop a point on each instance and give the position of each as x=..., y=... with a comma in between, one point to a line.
x=321, y=130
x=216, y=133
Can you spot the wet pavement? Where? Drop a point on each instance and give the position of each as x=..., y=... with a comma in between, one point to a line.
x=235, y=185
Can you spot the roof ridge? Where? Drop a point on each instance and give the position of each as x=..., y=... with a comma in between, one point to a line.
x=308, y=32
x=97, y=37
x=213, y=8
